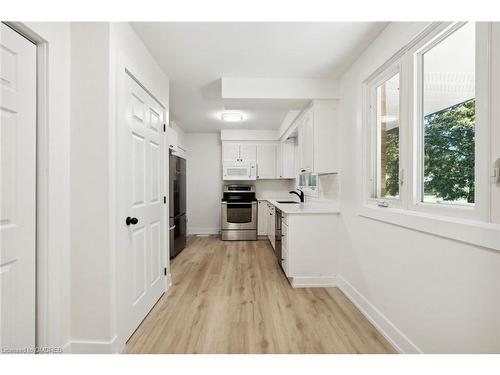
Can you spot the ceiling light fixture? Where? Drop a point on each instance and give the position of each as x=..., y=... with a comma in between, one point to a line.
x=231, y=117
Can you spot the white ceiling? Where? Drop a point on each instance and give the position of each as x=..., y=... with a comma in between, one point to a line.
x=195, y=55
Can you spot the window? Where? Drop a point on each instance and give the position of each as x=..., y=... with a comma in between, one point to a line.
x=425, y=128
x=386, y=181
x=448, y=118
x=384, y=128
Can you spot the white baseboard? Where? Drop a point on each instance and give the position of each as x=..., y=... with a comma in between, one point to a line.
x=314, y=282
x=193, y=231
x=397, y=338
x=92, y=347
x=66, y=349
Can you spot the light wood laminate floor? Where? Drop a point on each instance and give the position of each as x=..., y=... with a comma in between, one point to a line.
x=232, y=297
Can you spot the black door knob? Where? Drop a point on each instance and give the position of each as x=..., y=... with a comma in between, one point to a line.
x=131, y=220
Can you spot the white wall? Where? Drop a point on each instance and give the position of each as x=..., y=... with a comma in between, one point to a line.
x=204, y=182
x=53, y=328
x=95, y=50
x=91, y=291
x=438, y=295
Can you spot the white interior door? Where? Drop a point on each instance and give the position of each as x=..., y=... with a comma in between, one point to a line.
x=18, y=190
x=142, y=248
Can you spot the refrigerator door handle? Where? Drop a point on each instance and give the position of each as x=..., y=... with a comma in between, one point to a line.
x=173, y=227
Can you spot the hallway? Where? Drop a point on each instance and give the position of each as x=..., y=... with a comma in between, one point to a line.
x=231, y=297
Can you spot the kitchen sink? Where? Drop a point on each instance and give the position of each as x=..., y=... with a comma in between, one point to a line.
x=288, y=202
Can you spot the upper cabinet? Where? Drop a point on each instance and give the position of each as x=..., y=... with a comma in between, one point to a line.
x=176, y=140
x=286, y=159
x=318, y=139
x=230, y=152
x=233, y=152
x=266, y=161
x=248, y=153
x=272, y=159
x=306, y=142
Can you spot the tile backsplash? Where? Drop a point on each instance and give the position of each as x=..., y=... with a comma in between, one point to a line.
x=329, y=188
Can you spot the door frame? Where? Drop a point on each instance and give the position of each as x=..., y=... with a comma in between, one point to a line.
x=125, y=67
x=42, y=218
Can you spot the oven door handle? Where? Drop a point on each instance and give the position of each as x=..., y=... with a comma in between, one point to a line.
x=238, y=203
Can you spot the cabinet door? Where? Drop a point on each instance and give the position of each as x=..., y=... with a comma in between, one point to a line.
x=230, y=152
x=307, y=135
x=266, y=161
x=287, y=158
x=263, y=215
x=326, y=143
x=173, y=139
x=248, y=153
x=284, y=247
x=301, y=140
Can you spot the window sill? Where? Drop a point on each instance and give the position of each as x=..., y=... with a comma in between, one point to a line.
x=472, y=232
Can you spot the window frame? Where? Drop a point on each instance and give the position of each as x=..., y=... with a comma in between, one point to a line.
x=409, y=62
x=372, y=136
x=478, y=211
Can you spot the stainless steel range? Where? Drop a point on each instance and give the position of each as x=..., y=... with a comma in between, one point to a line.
x=239, y=213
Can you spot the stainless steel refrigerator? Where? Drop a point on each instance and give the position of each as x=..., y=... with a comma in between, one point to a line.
x=177, y=204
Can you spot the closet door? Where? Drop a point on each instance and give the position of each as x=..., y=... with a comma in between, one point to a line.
x=18, y=190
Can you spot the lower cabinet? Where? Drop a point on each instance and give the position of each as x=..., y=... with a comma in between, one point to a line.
x=310, y=241
x=263, y=218
x=284, y=245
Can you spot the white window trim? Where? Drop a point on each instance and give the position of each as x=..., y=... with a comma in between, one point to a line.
x=486, y=235
x=410, y=205
x=478, y=211
x=371, y=135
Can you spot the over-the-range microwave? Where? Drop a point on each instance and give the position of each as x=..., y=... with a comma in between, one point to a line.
x=239, y=171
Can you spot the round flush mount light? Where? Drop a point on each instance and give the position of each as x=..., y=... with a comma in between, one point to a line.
x=231, y=117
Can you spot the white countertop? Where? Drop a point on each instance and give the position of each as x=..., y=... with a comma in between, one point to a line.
x=303, y=208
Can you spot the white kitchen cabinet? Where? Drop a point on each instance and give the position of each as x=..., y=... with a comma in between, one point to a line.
x=308, y=241
x=173, y=138
x=318, y=139
x=176, y=142
x=284, y=245
x=286, y=159
x=248, y=153
x=266, y=161
x=306, y=142
x=233, y=152
x=272, y=159
x=230, y=152
x=308, y=249
x=326, y=140
x=262, y=218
